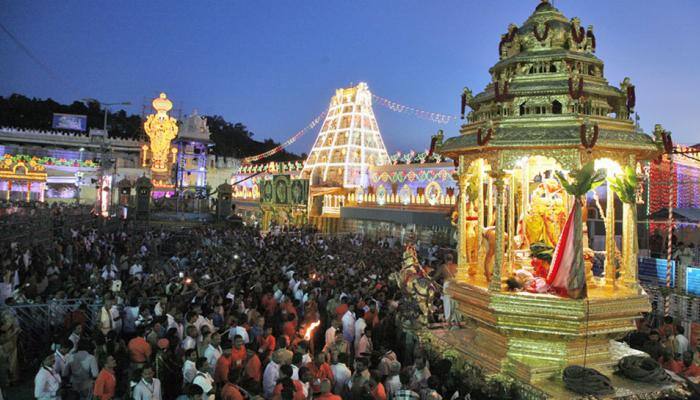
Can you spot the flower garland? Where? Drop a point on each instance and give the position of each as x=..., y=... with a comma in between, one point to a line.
x=631, y=98
x=579, y=92
x=578, y=38
x=483, y=140
x=51, y=161
x=507, y=38
x=544, y=36
x=501, y=96
x=584, y=139
x=412, y=176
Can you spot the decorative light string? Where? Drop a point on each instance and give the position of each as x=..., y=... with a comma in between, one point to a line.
x=286, y=143
x=669, y=249
x=427, y=115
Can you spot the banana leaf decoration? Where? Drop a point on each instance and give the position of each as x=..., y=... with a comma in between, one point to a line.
x=582, y=181
x=625, y=185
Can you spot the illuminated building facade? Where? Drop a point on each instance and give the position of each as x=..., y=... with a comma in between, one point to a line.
x=192, y=146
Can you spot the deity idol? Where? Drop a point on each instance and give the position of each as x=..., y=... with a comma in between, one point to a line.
x=547, y=214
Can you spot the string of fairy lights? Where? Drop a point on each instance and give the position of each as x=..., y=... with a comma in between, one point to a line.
x=391, y=105
x=422, y=114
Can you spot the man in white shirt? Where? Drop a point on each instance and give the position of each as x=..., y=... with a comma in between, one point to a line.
x=148, y=387
x=47, y=382
x=190, y=342
x=236, y=329
x=360, y=326
x=270, y=376
x=681, y=341
x=213, y=351
x=341, y=373
x=61, y=358
x=189, y=368
x=204, y=380
x=330, y=332
x=349, y=326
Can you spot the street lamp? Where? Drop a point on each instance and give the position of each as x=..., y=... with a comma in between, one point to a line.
x=79, y=174
x=106, y=107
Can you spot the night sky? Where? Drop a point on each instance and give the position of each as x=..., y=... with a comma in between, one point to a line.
x=273, y=65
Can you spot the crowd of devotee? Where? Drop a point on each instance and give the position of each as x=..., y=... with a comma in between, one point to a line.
x=209, y=313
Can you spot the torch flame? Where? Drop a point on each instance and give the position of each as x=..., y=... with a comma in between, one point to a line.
x=314, y=325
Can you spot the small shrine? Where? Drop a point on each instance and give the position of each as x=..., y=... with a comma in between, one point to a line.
x=545, y=132
x=22, y=178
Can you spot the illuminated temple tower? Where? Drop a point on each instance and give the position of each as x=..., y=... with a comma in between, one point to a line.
x=548, y=110
x=348, y=144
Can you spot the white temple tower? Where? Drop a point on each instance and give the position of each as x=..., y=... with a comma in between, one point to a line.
x=348, y=143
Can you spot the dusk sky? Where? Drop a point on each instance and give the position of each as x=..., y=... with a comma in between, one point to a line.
x=273, y=65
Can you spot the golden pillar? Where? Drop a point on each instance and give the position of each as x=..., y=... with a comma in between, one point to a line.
x=511, y=224
x=499, y=186
x=480, y=255
x=464, y=267
x=610, y=263
x=630, y=242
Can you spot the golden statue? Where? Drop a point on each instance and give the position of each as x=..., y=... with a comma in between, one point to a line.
x=161, y=130
x=547, y=214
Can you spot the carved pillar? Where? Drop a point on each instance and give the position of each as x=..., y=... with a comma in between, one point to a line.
x=463, y=267
x=497, y=179
x=29, y=191
x=489, y=202
x=511, y=224
x=630, y=242
x=480, y=210
x=610, y=279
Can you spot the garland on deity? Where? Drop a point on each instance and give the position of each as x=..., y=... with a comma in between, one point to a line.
x=544, y=36
x=584, y=139
x=483, y=140
x=579, y=92
x=578, y=37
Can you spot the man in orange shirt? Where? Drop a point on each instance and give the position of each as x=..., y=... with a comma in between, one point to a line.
x=266, y=344
x=253, y=366
x=223, y=364
x=238, y=352
x=106, y=382
x=320, y=369
x=139, y=349
x=326, y=391
x=290, y=326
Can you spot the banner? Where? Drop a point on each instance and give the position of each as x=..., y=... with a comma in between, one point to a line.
x=69, y=121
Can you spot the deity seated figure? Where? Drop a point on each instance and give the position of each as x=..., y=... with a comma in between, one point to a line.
x=547, y=214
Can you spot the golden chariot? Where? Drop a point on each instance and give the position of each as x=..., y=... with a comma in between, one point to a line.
x=548, y=110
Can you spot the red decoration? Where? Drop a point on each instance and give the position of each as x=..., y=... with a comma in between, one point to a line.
x=591, y=36
x=631, y=98
x=501, y=96
x=483, y=140
x=578, y=37
x=584, y=140
x=544, y=35
x=507, y=38
x=579, y=92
